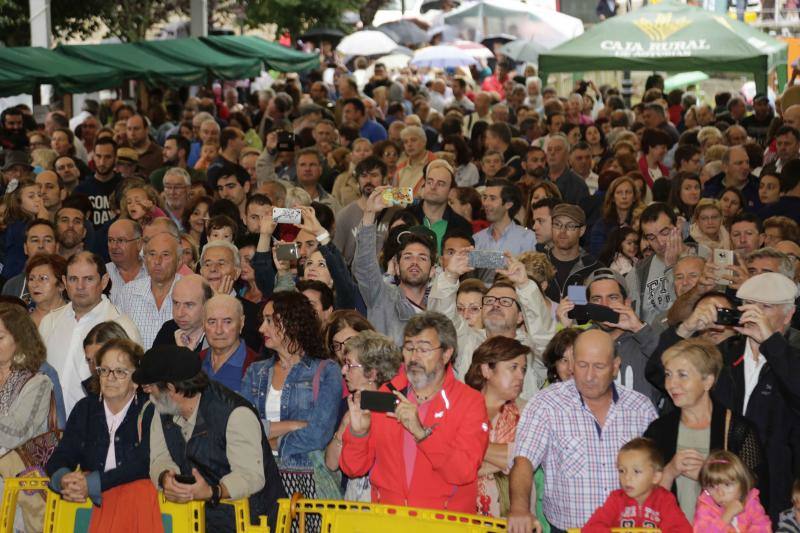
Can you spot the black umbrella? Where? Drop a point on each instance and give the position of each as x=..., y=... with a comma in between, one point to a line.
x=404, y=32
x=317, y=35
x=436, y=4
x=501, y=38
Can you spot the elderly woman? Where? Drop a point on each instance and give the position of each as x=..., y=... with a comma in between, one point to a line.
x=370, y=360
x=698, y=425
x=44, y=275
x=296, y=392
x=94, y=340
x=104, y=453
x=707, y=229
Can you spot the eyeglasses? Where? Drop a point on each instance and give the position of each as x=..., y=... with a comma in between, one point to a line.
x=175, y=187
x=339, y=346
x=709, y=218
x=503, y=301
x=348, y=366
x=470, y=308
x=558, y=226
x=422, y=349
x=119, y=373
x=120, y=242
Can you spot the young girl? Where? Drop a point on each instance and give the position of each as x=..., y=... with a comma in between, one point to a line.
x=23, y=203
x=622, y=250
x=728, y=503
x=140, y=203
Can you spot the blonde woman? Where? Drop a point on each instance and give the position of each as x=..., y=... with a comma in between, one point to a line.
x=707, y=228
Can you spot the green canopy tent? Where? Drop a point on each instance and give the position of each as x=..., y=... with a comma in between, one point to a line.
x=137, y=63
x=192, y=51
x=66, y=74
x=672, y=37
x=274, y=56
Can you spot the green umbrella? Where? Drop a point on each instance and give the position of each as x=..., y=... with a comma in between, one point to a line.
x=523, y=51
x=673, y=37
x=683, y=79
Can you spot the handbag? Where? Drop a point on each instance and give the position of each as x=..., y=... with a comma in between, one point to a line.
x=36, y=451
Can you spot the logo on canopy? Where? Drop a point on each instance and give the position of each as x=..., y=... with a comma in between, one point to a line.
x=661, y=27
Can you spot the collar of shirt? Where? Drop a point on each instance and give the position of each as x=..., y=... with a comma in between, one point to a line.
x=510, y=229
x=752, y=366
x=97, y=310
x=113, y=421
x=614, y=393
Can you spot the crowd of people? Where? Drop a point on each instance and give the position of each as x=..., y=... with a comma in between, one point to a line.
x=454, y=290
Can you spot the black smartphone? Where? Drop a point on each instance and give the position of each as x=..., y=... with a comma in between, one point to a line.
x=285, y=141
x=185, y=479
x=728, y=317
x=599, y=313
x=380, y=402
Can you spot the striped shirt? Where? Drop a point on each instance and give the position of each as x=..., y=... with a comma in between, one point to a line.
x=579, y=457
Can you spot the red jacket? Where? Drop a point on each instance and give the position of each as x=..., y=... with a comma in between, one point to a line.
x=446, y=467
x=646, y=172
x=660, y=511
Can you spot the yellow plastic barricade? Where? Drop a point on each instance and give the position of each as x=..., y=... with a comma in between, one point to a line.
x=66, y=517
x=356, y=517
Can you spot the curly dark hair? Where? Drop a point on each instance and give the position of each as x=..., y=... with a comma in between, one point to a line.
x=299, y=322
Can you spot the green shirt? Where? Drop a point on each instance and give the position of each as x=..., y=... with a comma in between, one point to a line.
x=439, y=228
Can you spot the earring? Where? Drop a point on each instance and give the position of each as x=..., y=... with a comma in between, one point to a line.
x=19, y=359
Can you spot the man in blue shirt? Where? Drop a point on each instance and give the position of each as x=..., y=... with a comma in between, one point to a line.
x=501, y=201
x=355, y=111
x=227, y=357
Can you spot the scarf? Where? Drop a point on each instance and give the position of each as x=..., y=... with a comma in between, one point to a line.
x=10, y=390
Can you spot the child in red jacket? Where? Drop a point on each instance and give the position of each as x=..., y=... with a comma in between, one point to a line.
x=641, y=502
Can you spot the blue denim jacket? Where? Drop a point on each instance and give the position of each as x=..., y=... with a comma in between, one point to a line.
x=297, y=403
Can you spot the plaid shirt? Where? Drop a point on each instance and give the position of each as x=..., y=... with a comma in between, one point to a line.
x=137, y=301
x=579, y=458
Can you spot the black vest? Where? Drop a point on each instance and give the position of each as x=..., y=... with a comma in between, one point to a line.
x=206, y=451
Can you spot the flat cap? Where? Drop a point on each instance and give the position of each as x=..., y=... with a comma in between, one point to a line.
x=128, y=154
x=168, y=364
x=768, y=288
x=570, y=211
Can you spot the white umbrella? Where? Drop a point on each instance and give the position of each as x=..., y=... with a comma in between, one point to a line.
x=366, y=43
x=476, y=50
x=393, y=61
x=442, y=56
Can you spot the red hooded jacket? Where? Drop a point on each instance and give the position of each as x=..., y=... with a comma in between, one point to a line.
x=445, y=470
x=659, y=511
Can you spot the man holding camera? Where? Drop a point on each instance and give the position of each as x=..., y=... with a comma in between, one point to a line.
x=428, y=451
x=634, y=340
x=760, y=379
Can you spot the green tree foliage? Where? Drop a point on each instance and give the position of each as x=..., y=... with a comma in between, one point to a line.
x=296, y=16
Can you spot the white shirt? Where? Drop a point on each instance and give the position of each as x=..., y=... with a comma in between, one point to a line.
x=137, y=301
x=63, y=336
x=752, y=369
x=117, y=283
x=272, y=407
x=113, y=421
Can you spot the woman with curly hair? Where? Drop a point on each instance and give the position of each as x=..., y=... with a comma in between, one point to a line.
x=296, y=391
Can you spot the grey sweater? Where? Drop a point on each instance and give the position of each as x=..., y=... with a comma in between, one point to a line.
x=388, y=309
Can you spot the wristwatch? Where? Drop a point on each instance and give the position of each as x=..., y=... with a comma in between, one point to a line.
x=216, y=492
x=426, y=433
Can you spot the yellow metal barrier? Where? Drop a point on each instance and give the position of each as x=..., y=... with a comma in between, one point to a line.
x=355, y=517
x=66, y=517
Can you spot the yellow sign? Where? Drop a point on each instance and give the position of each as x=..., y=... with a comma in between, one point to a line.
x=662, y=26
